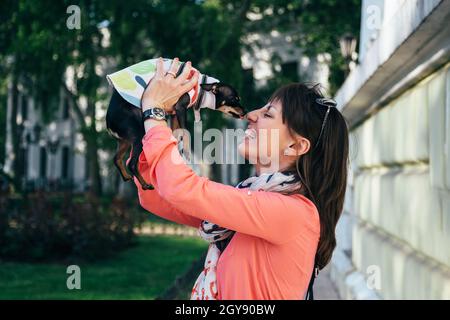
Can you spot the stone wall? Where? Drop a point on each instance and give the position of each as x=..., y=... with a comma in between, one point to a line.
x=398, y=210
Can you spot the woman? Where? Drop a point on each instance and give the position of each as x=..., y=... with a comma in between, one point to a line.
x=269, y=232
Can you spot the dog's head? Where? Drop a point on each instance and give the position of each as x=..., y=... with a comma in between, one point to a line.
x=227, y=99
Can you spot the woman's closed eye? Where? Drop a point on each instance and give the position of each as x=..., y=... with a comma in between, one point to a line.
x=267, y=113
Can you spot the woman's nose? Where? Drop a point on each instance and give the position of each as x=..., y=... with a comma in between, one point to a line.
x=252, y=116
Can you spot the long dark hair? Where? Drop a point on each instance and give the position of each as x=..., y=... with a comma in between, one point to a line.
x=323, y=169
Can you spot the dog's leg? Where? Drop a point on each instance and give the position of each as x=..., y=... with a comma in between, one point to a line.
x=181, y=117
x=174, y=124
x=177, y=133
x=133, y=165
x=122, y=147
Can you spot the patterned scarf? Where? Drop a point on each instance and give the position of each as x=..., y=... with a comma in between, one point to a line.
x=205, y=287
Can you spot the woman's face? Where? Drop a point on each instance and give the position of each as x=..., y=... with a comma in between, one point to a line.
x=268, y=143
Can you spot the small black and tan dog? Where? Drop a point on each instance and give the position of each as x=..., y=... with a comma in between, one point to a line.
x=124, y=122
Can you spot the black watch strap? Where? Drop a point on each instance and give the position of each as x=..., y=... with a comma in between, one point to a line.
x=154, y=113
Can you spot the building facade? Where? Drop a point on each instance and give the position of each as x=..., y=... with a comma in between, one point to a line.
x=394, y=234
x=53, y=155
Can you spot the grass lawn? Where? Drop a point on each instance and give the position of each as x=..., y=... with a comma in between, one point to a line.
x=141, y=272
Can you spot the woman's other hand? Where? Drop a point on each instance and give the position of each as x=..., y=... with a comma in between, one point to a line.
x=164, y=90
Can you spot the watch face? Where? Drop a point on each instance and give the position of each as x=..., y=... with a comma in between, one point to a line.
x=159, y=112
x=156, y=113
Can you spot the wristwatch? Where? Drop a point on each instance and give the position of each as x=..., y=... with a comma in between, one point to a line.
x=156, y=113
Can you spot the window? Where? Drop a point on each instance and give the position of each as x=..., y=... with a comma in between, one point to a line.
x=24, y=107
x=65, y=110
x=23, y=162
x=65, y=163
x=43, y=162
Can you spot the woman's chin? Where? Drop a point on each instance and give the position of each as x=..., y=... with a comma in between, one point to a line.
x=246, y=150
x=243, y=149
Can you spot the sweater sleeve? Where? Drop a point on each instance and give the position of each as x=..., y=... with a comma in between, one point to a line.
x=272, y=216
x=151, y=201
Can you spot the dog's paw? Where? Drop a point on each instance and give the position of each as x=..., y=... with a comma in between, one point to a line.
x=147, y=187
x=127, y=178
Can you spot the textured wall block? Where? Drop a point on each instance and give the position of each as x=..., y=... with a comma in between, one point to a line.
x=418, y=136
x=447, y=131
x=399, y=122
x=404, y=274
x=402, y=203
x=385, y=135
x=436, y=103
x=353, y=152
x=398, y=133
x=364, y=144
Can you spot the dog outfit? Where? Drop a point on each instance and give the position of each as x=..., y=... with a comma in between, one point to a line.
x=131, y=82
x=205, y=287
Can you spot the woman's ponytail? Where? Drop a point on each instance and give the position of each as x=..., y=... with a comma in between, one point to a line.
x=323, y=169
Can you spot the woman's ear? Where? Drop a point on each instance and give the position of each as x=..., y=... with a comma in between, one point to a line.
x=299, y=148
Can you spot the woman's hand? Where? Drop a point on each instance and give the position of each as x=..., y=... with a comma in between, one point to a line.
x=164, y=90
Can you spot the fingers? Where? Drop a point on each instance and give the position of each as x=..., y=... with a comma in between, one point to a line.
x=181, y=84
x=174, y=67
x=190, y=84
x=186, y=71
x=159, y=68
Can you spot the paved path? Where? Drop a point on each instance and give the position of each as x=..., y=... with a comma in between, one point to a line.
x=324, y=288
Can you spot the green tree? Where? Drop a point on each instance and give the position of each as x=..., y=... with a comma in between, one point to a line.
x=314, y=26
x=36, y=47
x=30, y=58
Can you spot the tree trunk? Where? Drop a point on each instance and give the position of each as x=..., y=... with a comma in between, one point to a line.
x=17, y=162
x=95, y=181
x=90, y=137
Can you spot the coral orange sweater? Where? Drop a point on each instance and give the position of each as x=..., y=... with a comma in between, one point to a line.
x=271, y=255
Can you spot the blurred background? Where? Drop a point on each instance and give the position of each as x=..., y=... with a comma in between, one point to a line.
x=63, y=203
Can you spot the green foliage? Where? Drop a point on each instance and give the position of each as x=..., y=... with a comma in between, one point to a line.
x=323, y=23
x=59, y=226
x=314, y=26
x=33, y=36
x=3, y=102
x=142, y=272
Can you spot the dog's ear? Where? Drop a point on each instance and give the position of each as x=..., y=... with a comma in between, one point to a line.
x=210, y=87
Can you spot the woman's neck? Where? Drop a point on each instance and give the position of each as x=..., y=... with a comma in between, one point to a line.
x=261, y=169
